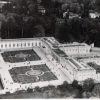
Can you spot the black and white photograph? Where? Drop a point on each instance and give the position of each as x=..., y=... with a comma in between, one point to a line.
x=49, y=49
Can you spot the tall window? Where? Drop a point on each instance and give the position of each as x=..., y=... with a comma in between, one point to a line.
x=32, y=44
x=13, y=45
x=39, y=43
x=36, y=44
x=9, y=45
x=87, y=50
x=21, y=44
x=5, y=45
x=28, y=44
x=1, y=45
x=25, y=44
x=17, y=45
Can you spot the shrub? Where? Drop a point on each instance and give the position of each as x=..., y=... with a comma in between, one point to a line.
x=37, y=88
x=29, y=90
x=7, y=93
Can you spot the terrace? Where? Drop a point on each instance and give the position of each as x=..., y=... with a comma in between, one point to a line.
x=20, y=56
x=60, y=52
x=77, y=65
x=95, y=66
x=87, y=57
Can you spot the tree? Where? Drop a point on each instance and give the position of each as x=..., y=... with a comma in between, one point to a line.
x=65, y=86
x=97, y=5
x=7, y=7
x=77, y=88
x=39, y=31
x=21, y=6
x=75, y=83
x=86, y=5
x=4, y=30
x=47, y=4
x=32, y=8
x=88, y=85
x=37, y=89
x=86, y=94
x=29, y=90
x=96, y=91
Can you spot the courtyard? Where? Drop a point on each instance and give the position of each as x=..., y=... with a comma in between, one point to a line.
x=31, y=74
x=20, y=56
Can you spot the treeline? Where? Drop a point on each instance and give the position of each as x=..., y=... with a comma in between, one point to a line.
x=17, y=26
x=24, y=19
x=89, y=89
x=80, y=30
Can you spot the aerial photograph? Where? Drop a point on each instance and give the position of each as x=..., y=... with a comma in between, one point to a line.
x=49, y=49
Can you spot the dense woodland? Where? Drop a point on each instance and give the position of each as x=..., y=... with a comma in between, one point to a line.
x=22, y=19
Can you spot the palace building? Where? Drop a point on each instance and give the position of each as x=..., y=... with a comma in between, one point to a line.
x=30, y=62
